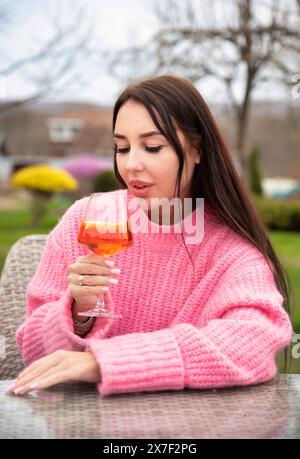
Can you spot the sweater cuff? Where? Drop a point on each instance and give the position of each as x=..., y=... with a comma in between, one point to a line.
x=58, y=329
x=138, y=362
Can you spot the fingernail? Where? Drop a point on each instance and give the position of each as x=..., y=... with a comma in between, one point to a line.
x=34, y=385
x=115, y=271
x=105, y=289
x=19, y=390
x=10, y=388
x=109, y=262
x=112, y=281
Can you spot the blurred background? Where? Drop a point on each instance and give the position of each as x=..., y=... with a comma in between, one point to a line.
x=63, y=64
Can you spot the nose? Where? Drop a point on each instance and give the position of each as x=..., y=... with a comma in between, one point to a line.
x=134, y=162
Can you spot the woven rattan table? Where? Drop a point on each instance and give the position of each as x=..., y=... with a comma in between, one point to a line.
x=270, y=410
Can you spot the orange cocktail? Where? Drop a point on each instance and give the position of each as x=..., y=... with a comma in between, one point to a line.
x=105, y=239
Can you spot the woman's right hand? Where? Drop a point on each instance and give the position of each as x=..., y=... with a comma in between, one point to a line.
x=96, y=279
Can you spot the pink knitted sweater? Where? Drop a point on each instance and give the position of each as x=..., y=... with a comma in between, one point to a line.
x=218, y=325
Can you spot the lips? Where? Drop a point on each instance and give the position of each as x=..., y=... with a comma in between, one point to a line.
x=139, y=183
x=140, y=188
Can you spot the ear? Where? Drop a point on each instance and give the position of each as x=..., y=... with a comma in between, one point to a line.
x=196, y=147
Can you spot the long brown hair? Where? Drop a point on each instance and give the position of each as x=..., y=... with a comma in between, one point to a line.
x=179, y=104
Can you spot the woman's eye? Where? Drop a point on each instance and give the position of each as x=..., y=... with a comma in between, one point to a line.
x=126, y=149
x=121, y=150
x=154, y=149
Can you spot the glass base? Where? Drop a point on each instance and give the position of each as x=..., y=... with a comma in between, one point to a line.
x=98, y=312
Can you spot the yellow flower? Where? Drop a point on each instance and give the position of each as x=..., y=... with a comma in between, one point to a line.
x=44, y=178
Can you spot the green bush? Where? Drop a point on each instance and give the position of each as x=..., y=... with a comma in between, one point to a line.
x=279, y=214
x=105, y=181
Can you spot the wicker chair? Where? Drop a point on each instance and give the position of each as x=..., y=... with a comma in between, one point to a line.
x=19, y=267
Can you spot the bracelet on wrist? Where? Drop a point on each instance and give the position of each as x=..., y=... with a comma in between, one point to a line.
x=82, y=328
x=78, y=322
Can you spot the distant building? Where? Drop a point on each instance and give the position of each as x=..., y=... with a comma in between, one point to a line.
x=59, y=130
x=52, y=132
x=64, y=130
x=56, y=130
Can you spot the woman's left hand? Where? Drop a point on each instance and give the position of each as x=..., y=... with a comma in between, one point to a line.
x=59, y=367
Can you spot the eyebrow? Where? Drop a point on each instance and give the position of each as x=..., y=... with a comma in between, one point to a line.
x=145, y=134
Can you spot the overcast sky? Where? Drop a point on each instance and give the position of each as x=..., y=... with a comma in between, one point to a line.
x=117, y=24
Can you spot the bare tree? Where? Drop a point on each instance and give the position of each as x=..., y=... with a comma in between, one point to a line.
x=245, y=44
x=52, y=64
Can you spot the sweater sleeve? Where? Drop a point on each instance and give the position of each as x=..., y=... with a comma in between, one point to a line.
x=230, y=339
x=49, y=324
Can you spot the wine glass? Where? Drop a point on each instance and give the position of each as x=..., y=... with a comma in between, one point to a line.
x=105, y=229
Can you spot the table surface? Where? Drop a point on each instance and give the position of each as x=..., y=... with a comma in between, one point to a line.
x=269, y=410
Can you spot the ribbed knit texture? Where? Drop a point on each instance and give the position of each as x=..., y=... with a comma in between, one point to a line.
x=218, y=325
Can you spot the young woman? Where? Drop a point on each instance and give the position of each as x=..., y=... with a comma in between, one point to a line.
x=209, y=314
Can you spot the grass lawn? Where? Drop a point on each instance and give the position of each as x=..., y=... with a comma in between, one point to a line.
x=15, y=223
x=13, y=227
x=287, y=245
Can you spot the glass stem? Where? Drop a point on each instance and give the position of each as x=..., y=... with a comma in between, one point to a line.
x=100, y=306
